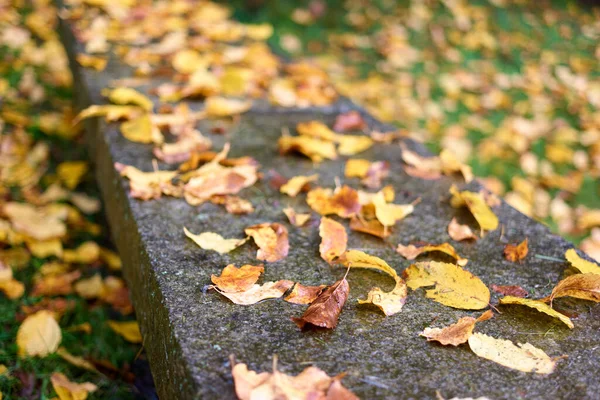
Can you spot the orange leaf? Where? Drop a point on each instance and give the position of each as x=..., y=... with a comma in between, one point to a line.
x=333, y=239
x=234, y=279
x=271, y=239
x=516, y=253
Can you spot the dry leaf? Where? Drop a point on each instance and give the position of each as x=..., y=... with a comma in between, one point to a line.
x=75, y=360
x=411, y=252
x=297, y=184
x=38, y=223
x=510, y=290
x=294, y=218
x=352, y=120
x=517, y=252
x=350, y=145
x=580, y=286
x=141, y=130
x=53, y=285
x=388, y=302
x=86, y=253
x=312, y=383
x=356, y=168
x=476, y=203
x=524, y=357
x=325, y=310
x=582, y=265
x=460, y=232
x=90, y=288
x=38, y=335
x=233, y=204
x=126, y=95
x=271, y=239
x=234, y=279
x=109, y=111
x=315, y=149
x=214, y=241
x=301, y=294
x=370, y=226
x=71, y=172
x=333, y=239
x=457, y=333
x=96, y=63
x=387, y=213
x=454, y=286
x=538, y=305
x=129, y=330
x=256, y=293
x=216, y=106
x=11, y=288
x=344, y=201
x=67, y=390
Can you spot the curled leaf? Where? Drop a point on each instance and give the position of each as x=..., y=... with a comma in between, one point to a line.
x=315, y=149
x=454, y=286
x=301, y=294
x=582, y=265
x=539, y=306
x=369, y=226
x=333, y=239
x=297, y=184
x=460, y=232
x=457, y=333
x=517, y=252
x=271, y=239
x=344, y=201
x=234, y=279
x=256, y=293
x=295, y=218
x=411, y=252
x=476, y=203
x=325, y=310
x=580, y=286
x=126, y=95
x=214, y=241
x=524, y=357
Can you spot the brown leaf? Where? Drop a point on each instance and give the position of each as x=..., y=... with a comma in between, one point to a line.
x=301, y=294
x=517, y=252
x=333, y=239
x=580, y=286
x=457, y=333
x=234, y=279
x=370, y=226
x=325, y=310
x=352, y=120
x=54, y=285
x=271, y=239
x=510, y=290
x=460, y=232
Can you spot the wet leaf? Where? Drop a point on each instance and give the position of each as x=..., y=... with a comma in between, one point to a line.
x=582, y=265
x=457, y=333
x=271, y=239
x=522, y=357
x=67, y=390
x=538, y=305
x=297, y=184
x=301, y=294
x=580, y=286
x=454, y=286
x=325, y=310
x=333, y=239
x=256, y=293
x=235, y=279
x=129, y=330
x=214, y=241
x=460, y=232
x=475, y=202
x=295, y=218
x=411, y=252
x=517, y=252
x=38, y=335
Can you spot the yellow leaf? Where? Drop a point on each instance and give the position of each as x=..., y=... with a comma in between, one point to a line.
x=350, y=145
x=478, y=207
x=538, y=305
x=75, y=360
x=214, y=241
x=524, y=357
x=517, y=252
x=129, y=330
x=187, y=61
x=454, y=286
x=388, y=213
x=316, y=129
x=45, y=248
x=90, y=288
x=460, y=232
x=111, y=259
x=38, y=335
x=315, y=149
x=94, y=62
x=357, y=168
x=295, y=218
x=86, y=253
x=580, y=286
x=125, y=95
x=234, y=279
x=110, y=111
x=71, y=172
x=67, y=390
x=582, y=265
x=389, y=302
x=141, y=130
x=223, y=107
x=411, y=252
x=296, y=184
x=268, y=290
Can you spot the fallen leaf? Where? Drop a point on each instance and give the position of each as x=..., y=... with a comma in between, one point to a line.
x=35, y=222
x=67, y=390
x=325, y=310
x=94, y=62
x=411, y=252
x=109, y=111
x=126, y=95
x=12, y=288
x=256, y=293
x=524, y=357
x=316, y=129
x=75, y=360
x=454, y=286
x=538, y=305
x=333, y=239
x=510, y=290
x=344, y=201
x=375, y=174
x=54, y=285
x=517, y=252
x=141, y=130
x=214, y=241
x=315, y=149
x=350, y=145
x=129, y=330
x=71, y=172
x=301, y=294
x=475, y=202
x=312, y=383
x=90, y=288
x=297, y=184
x=457, y=333
x=580, y=286
x=388, y=302
x=233, y=204
x=235, y=279
x=352, y=120
x=111, y=259
x=295, y=218
x=271, y=239
x=86, y=253
x=369, y=226
x=38, y=335
x=388, y=213
x=460, y=232
x=584, y=266
x=216, y=106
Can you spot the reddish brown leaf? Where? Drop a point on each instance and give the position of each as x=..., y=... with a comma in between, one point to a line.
x=333, y=239
x=510, y=290
x=301, y=294
x=370, y=226
x=352, y=120
x=325, y=310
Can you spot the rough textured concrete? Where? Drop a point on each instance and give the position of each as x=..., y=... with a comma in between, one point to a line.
x=189, y=332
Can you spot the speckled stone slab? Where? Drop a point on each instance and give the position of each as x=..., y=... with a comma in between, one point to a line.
x=190, y=332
